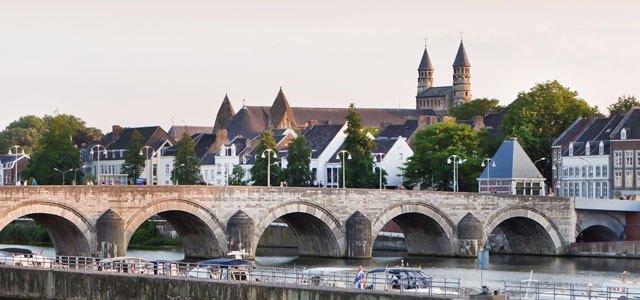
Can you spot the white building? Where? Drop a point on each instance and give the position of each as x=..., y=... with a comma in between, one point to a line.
x=391, y=155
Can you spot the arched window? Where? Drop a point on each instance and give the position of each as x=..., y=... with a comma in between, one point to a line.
x=571, y=149
x=601, y=148
x=587, y=149
x=623, y=134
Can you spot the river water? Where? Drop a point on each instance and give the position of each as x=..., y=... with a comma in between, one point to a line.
x=511, y=268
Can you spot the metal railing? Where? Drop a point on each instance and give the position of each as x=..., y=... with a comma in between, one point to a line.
x=560, y=291
x=379, y=282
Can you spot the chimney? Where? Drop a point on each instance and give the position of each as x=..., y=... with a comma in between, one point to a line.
x=448, y=118
x=115, y=132
x=312, y=123
x=427, y=120
x=478, y=122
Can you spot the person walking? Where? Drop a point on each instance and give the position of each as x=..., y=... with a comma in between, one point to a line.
x=35, y=182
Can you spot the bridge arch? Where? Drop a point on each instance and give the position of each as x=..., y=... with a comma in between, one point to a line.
x=522, y=230
x=599, y=227
x=319, y=232
x=71, y=232
x=201, y=233
x=427, y=229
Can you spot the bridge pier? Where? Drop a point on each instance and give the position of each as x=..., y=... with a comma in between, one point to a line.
x=470, y=236
x=358, y=234
x=110, y=235
x=240, y=229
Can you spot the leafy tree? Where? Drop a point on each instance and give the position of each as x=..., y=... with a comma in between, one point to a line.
x=538, y=116
x=26, y=132
x=56, y=150
x=237, y=176
x=82, y=135
x=359, y=169
x=298, y=160
x=434, y=144
x=476, y=107
x=133, y=161
x=488, y=143
x=186, y=166
x=624, y=104
x=259, y=169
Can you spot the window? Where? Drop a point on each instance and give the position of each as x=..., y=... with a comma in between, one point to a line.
x=206, y=174
x=166, y=169
x=605, y=192
x=587, y=149
x=401, y=156
x=570, y=189
x=623, y=134
x=590, y=190
x=598, y=193
x=597, y=171
x=638, y=178
x=571, y=149
x=617, y=158
x=565, y=190
x=604, y=171
x=590, y=171
x=628, y=178
x=583, y=189
x=565, y=172
x=218, y=169
x=617, y=174
x=628, y=158
x=601, y=148
x=637, y=158
x=570, y=172
x=583, y=171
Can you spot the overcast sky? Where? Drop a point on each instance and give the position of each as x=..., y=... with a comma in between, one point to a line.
x=140, y=63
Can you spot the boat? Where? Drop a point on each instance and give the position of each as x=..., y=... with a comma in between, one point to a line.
x=406, y=279
x=125, y=264
x=328, y=276
x=223, y=269
x=24, y=258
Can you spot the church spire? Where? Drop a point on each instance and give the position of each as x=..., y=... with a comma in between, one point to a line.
x=425, y=71
x=281, y=114
x=225, y=113
x=461, y=77
x=461, y=57
x=425, y=62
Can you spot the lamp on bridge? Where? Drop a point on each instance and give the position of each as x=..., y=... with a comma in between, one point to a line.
x=146, y=157
x=456, y=160
x=63, y=173
x=490, y=164
x=14, y=149
x=273, y=154
x=343, y=152
x=97, y=146
x=378, y=157
x=175, y=180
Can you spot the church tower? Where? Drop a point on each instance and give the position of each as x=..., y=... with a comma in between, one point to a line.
x=461, y=78
x=425, y=72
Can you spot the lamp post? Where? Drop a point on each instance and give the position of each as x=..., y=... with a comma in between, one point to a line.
x=378, y=157
x=97, y=146
x=490, y=164
x=344, y=166
x=175, y=179
x=456, y=160
x=15, y=149
x=63, y=173
x=74, y=174
x=270, y=153
x=146, y=157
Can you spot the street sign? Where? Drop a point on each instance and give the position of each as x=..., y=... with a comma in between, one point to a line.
x=483, y=259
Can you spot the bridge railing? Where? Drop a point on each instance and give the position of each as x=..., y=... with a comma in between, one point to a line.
x=560, y=291
x=333, y=279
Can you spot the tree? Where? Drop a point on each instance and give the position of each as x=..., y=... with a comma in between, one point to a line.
x=82, y=135
x=237, y=176
x=434, y=144
x=538, y=116
x=186, y=166
x=26, y=132
x=259, y=169
x=133, y=161
x=476, y=107
x=359, y=169
x=298, y=161
x=56, y=150
x=624, y=104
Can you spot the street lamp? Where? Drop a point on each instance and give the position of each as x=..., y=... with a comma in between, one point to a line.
x=489, y=166
x=344, y=166
x=15, y=148
x=539, y=160
x=378, y=157
x=456, y=160
x=273, y=154
x=146, y=157
x=175, y=179
x=63, y=173
x=74, y=174
x=97, y=146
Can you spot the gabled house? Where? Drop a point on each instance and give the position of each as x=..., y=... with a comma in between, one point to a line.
x=391, y=154
x=511, y=172
x=12, y=165
x=111, y=153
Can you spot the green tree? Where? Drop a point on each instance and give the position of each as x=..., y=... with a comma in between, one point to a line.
x=538, y=116
x=26, y=132
x=298, y=160
x=476, y=107
x=624, y=104
x=82, y=135
x=359, y=169
x=56, y=150
x=133, y=161
x=433, y=145
x=259, y=168
x=237, y=176
x=186, y=166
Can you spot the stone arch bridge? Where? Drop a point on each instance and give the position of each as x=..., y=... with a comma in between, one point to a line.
x=100, y=220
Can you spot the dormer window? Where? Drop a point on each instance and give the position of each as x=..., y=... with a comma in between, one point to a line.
x=571, y=149
x=601, y=148
x=587, y=149
x=623, y=134
x=229, y=152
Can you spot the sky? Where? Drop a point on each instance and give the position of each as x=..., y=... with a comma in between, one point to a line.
x=141, y=63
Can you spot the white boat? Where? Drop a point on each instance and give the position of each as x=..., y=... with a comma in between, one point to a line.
x=24, y=258
x=406, y=279
x=328, y=276
x=125, y=264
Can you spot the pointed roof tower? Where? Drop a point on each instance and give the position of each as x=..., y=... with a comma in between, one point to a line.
x=512, y=162
x=425, y=62
x=281, y=114
x=225, y=113
x=461, y=58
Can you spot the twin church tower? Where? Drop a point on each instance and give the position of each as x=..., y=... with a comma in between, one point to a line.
x=442, y=98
